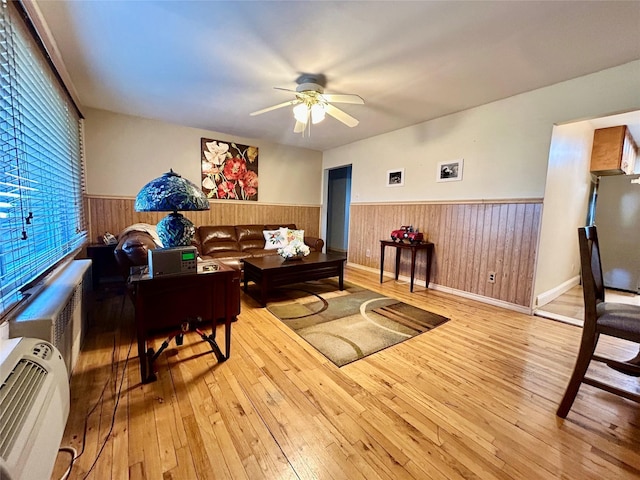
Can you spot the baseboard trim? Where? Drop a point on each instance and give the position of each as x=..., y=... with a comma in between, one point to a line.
x=453, y=291
x=555, y=292
x=559, y=318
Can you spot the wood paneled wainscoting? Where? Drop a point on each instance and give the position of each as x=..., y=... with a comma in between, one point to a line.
x=109, y=214
x=471, y=240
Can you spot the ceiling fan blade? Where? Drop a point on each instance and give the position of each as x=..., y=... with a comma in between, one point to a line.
x=284, y=89
x=343, y=98
x=338, y=114
x=275, y=107
x=299, y=127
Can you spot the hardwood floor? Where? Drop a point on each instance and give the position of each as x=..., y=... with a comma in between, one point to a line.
x=569, y=307
x=474, y=398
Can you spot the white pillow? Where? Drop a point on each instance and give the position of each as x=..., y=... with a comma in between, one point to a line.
x=274, y=239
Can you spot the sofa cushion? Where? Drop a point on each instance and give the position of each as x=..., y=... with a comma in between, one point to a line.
x=228, y=255
x=250, y=236
x=217, y=239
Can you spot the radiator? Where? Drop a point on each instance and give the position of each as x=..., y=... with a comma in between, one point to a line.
x=34, y=407
x=59, y=313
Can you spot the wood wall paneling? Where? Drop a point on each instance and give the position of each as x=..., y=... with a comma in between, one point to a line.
x=471, y=240
x=114, y=214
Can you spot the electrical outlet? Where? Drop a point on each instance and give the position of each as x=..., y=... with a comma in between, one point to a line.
x=368, y=254
x=492, y=277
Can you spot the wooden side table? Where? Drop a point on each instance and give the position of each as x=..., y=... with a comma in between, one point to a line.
x=414, y=247
x=165, y=303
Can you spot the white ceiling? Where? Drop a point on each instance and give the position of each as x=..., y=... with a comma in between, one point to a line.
x=208, y=64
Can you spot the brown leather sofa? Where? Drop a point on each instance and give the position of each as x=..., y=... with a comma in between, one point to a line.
x=228, y=243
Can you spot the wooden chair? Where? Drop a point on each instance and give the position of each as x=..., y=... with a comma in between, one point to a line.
x=600, y=317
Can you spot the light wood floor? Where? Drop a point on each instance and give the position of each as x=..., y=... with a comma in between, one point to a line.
x=474, y=398
x=569, y=307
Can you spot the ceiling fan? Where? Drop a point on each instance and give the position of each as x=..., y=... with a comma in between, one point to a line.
x=311, y=103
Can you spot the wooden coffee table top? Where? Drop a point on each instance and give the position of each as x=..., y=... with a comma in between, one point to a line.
x=273, y=271
x=270, y=262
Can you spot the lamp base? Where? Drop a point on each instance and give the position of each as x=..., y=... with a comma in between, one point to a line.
x=175, y=230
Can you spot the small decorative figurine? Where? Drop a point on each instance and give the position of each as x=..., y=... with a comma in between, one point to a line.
x=406, y=232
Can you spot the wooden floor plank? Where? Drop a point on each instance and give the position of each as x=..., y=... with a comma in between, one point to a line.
x=472, y=398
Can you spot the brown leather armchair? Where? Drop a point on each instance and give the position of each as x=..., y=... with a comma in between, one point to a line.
x=131, y=250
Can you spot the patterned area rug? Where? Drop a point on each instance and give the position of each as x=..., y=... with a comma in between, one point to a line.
x=348, y=325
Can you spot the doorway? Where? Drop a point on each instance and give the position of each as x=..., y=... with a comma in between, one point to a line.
x=338, y=203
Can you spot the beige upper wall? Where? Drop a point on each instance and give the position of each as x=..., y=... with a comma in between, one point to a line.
x=566, y=201
x=507, y=148
x=123, y=153
x=505, y=144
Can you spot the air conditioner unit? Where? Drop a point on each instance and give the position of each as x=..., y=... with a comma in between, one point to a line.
x=59, y=313
x=34, y=407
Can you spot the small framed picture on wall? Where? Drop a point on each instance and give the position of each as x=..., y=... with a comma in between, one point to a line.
x=450, y=171
x=395, y=178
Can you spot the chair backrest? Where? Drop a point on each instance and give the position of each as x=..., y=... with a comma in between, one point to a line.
x=592, y=278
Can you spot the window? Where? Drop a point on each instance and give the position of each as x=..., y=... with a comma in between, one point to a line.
x=41, y=183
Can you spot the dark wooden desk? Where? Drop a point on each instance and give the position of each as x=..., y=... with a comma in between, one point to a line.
x=273, y=271
x=414, y=247
x=165, y=303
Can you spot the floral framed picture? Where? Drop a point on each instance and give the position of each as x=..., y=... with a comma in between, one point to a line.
x=450, y=171
x=229, y=170
x=395, y=178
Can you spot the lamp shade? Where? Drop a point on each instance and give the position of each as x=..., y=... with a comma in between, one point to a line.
x=170, y=193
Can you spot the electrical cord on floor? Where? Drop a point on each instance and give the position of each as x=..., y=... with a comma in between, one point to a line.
x=74, y=454
x=113, y=416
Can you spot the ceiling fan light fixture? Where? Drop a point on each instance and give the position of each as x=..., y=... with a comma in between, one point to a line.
x=317, y=113
x=311, y=105
x=301, y=113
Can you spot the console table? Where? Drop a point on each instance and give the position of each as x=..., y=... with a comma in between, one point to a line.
x=414, y=247
x=165, y=303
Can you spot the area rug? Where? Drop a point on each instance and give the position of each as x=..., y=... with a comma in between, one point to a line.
x=350, y=324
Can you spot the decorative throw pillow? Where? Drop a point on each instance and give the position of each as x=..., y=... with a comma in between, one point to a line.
x=294, y=236
x=274, y=239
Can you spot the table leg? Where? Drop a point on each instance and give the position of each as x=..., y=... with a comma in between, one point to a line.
x=142, y=358
x=233, y=306
x=413, y=267
x=264, y=290
x=398, y=255
x=141, y=334
x=227, y=337
x=381, y=261
x=341, y=277
x=426, y=280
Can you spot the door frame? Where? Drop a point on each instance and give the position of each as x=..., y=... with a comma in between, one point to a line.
x=325, y=204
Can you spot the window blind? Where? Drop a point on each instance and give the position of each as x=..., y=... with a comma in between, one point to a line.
x=42, y=179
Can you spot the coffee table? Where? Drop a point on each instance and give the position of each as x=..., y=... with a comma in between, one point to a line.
x=273, y=271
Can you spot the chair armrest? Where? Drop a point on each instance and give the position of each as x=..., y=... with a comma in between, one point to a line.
x=131, y=251
x=315, y=243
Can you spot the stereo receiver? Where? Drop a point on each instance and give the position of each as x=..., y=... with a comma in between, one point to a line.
x=172, y=261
